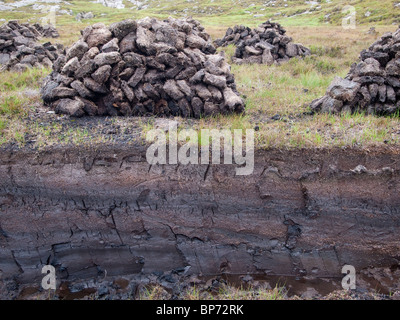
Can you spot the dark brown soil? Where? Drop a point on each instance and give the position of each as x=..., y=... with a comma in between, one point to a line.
x=104, y=211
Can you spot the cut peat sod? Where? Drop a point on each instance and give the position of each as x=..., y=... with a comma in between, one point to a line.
x=303, y=213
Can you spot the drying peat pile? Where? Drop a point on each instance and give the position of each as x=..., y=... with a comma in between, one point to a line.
x=20, y=50
x=266, y=44
x=372, y=85
x=47, y=31
x=142, y=67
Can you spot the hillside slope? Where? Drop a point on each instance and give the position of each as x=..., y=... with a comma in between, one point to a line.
x=212, y=12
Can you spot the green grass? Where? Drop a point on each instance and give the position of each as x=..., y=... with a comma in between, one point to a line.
x=284, y=90
x=225, y=292
x=228, y=12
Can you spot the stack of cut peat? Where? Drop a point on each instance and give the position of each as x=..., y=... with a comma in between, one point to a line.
x=145, y=67
x=19, y=49
x=46, y=31
x=266, y=44
x=371, y=86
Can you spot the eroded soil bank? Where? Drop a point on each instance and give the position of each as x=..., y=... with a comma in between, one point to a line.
x=106, y=211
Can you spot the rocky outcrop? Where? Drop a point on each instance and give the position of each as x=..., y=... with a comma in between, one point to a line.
x=19, y=49
x=371, y=86
x=84, y=16
x=266, y=44
x=143, y=67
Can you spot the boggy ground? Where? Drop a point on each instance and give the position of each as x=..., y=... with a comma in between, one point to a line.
x=105, y=212
x=177, y=287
